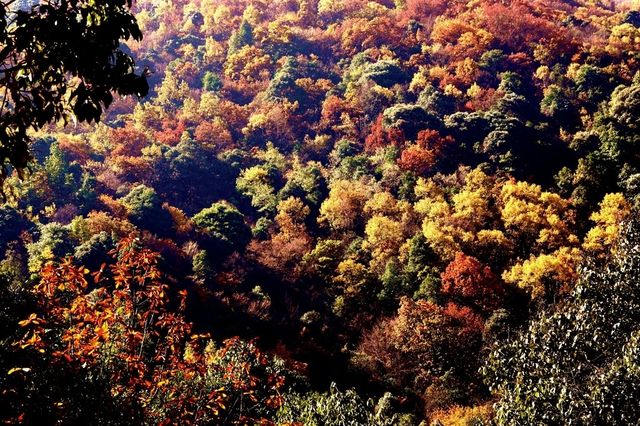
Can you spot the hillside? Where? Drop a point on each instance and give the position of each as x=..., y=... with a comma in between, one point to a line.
x=337, y=212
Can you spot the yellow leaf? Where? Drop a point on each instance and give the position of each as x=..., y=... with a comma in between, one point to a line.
x=13, y=370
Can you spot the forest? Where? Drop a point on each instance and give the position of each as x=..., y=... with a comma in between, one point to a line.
x=320, y=212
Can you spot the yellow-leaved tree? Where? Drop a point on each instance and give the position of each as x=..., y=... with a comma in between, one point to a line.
x=614, y=208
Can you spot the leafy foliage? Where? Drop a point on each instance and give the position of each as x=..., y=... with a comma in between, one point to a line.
x=225, y=224
x=334, y=408
x=59, y=59
x=121, y=337
x=580, y=363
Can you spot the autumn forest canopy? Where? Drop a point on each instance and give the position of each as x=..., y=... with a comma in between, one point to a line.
x=319, y=212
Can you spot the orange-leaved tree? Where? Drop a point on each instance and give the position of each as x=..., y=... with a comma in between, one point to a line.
x=123, y=329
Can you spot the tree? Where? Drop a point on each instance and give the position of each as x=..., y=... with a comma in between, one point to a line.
x=333, y=408
x=468, y=281
x=258, y=182
x=176, y=168
x=625, y=107
x=436, y=102
x=225, y=225
x=592, y=83
x=580, y=363
x=211, y=82
x=342, y=209
x=417, y=159
x=307, y=183
x=457, y=415
x=354, y=285
x=423, y=345
x=127, y=351
x=242, y=37
x=283, y=84
x=284, y=251
x=536, y=216
x=614, y=209
x=57, y=168
x=410, y=119
x=429, y=148
x=418, y=272
x=556, y=104
x=54, y=242
x=384, y=237
x=385, y=73
x=546, y=275
x=58, y=60
x=145, y=210
x=380, y=136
